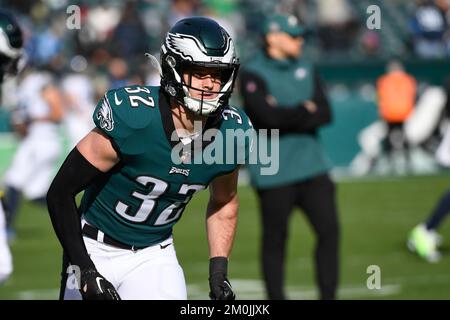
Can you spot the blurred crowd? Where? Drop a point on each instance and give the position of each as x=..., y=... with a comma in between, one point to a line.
x=107, y=50
x=109, y=45
x=430, y=28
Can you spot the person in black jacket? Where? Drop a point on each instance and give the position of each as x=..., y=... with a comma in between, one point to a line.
x=281, y=90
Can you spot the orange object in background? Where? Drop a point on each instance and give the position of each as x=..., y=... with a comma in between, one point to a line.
x=397, y=95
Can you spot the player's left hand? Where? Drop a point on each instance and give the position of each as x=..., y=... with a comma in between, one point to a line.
x=220, y=288
x=218, y=283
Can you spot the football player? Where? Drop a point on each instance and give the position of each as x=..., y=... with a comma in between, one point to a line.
x=36, y=119
x=122, y=247
x=10, y=53
x=424, y=239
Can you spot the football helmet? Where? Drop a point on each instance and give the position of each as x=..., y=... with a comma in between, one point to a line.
x=198, y=42
x=11, y=42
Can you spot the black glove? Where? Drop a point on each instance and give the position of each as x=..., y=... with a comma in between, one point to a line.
x=218, y=283
x=95, y=287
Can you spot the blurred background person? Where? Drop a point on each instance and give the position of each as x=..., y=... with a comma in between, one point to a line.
x=128, y=35
x=431, y=116
x=396, y=92
x=36, y=121
x=10, y=53
x=180, y=9
x=78, y=92
x=337, y=26
x=118, y=72
x=396, y=99
x=282, y=90
x=411, y=126
x=428, y=26
x=424, y=239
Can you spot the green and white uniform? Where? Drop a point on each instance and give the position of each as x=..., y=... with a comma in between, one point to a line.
x=136, y=204
x=146, y=193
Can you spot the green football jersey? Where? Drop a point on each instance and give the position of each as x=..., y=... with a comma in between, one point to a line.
x=145, y=194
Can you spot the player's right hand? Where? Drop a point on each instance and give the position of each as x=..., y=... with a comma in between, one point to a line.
x=95, y=287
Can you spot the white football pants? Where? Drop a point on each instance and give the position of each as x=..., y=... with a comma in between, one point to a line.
x=152, y=273
x=6, y=266
x=33, y=166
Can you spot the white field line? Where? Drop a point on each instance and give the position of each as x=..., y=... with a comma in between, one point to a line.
x=45, y=294
x=253, y=289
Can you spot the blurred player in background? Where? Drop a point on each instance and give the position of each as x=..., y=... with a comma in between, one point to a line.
x=396, y=91
x=10, y=52
x=282, y=90
x=36, y=120
x=424, y=240
x=396, y=99
x=78, y=91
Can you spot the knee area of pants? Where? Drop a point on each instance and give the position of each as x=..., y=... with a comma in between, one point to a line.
x=329, y=234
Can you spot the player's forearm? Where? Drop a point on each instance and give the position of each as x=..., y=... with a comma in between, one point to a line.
x=221, y=225
x=50, y=118
x=74, y=175
x=65, y=221
x=55, y=114
x=55, y=102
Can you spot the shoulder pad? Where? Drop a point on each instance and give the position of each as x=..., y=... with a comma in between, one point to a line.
x=124, y=111
x=236, y=118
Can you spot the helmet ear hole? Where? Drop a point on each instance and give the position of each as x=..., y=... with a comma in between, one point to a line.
x=171, y=61
x=171, y=90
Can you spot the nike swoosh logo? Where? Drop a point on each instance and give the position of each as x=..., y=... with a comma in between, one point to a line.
x=228, y=284
x=98, y=279
x=117, y=101
x=164, y=246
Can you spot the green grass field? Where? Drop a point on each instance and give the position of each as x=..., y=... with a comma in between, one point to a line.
x=376, y=216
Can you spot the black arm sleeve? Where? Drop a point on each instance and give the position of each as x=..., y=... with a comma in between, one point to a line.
x=75, y=174
x=288, y=119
